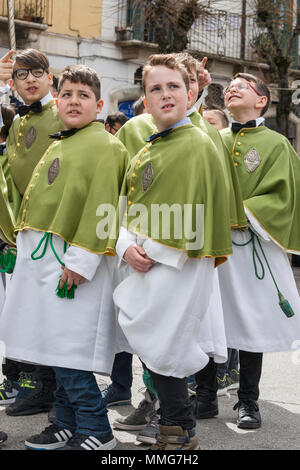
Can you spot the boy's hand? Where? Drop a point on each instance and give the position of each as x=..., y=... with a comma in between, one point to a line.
x=6, y=67
x=137, y=258
x=204, y=78
x=71, y=277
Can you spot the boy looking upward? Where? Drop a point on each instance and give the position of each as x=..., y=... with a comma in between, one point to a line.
x=164, y=325
x=268, y=170
x=58, y=226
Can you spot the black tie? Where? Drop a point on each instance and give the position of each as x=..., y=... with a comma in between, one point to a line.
x=2, y=149
x=24, y=109
x=62, y=134
x=159, y=134
x=237, y=126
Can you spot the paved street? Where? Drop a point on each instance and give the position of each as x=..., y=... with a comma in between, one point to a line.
x=279, y=405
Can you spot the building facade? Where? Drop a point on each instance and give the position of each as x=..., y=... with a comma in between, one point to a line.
x=113, y=37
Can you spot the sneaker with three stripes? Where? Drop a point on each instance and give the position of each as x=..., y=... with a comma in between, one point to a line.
x=83, y=442
x=52, y=438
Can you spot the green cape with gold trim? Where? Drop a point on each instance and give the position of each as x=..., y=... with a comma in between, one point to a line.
x=75, y=187
x=177, y=194
x=26, y=143
x=135, y=132
x=268, y=170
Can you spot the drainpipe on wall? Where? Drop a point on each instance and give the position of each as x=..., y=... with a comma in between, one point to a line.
x=74, y=30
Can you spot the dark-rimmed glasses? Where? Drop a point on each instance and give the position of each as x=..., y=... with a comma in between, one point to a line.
x=22, y=74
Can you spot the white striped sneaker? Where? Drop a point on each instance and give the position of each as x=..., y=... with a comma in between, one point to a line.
x=53, y=437
x=84, y=442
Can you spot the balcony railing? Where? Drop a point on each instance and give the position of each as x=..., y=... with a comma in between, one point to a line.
x=36, y=11
x=229, y=35
x=218, y=32
x=131, y=24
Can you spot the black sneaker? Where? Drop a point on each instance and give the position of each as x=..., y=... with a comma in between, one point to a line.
x=204, y=406
x=38, y=401
x=3, y=437
x=149, y=434
x=53, y=437
x=248, y=414
x=84, y=442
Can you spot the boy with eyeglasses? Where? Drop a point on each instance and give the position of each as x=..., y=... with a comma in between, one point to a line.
x=257, y=282
x=27, y=140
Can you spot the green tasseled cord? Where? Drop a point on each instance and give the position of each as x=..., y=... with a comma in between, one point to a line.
x=283, y=302
x=64, y=292
x=8, y=261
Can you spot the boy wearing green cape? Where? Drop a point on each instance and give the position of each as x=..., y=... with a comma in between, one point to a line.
x=134, y=135
x=164, y=300
x=259, y=294
x=60, y=232
x=28, y=74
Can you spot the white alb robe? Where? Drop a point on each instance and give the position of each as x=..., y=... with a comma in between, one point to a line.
x=172, y=315
x=39, y=327
x=253, y=319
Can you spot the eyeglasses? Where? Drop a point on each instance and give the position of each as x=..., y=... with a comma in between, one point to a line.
x=22, y=74
x=240, y=87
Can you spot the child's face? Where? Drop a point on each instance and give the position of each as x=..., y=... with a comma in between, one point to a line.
x=246, y=99
x=167, y=98
x=77, y=105
x=214, y=119
x=194, y=86
x=31, y=89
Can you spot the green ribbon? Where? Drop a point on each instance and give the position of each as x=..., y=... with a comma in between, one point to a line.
x=283, y=302
x=63, y=292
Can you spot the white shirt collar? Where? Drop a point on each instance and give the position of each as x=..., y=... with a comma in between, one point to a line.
x=46, y=98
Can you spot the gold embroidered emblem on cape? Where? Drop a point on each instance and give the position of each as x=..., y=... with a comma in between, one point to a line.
x=147, y=177
x=251, y=160
x=30, y=137
x=53, y=170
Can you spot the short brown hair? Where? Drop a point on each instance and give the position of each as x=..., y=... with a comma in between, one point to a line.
x=221, y=113
x=190, y=63
x=112, y=119
x=260, y=86
x=32, y=58
x=81, y=74
x=169, y=61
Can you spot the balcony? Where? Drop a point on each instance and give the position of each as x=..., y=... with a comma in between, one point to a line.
x=37, y=11
x=30, y=18
x=229, y=35
x=133, y=34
